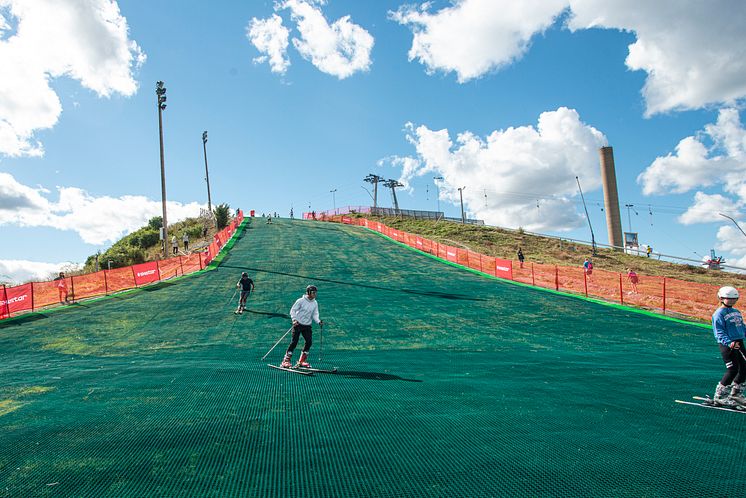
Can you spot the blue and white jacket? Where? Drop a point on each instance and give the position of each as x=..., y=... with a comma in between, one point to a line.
x=727, y=324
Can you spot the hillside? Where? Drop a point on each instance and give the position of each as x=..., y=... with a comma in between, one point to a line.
x=505, y=243
x=448, y=384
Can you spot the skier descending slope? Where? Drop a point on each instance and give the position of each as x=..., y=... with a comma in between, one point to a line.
x=246, y=285
x=304, y=311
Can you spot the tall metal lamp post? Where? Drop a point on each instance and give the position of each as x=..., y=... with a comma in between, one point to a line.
x=436, y=179
x=334, y=199
x=207, y=173
x=160, y=92
x=461, y=195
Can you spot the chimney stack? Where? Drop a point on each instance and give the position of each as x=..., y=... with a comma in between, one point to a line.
x=611, y=197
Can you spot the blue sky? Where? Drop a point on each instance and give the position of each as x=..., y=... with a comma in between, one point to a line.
x=301, y=97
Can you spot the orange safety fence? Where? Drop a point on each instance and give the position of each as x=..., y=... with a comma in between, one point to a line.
x=37, y=295
x=663, y=294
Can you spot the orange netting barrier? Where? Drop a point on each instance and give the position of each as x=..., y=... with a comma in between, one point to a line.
x=36, y=295
x=661, y=294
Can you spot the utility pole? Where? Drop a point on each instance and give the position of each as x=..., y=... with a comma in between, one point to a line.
x=461, y=195
x=593, y=239
x=374, y=179
x=334, y=199
x=207, y=174
x=160, y=92
x=393, y=184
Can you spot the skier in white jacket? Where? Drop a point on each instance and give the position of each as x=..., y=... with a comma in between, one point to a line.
x=304, y=311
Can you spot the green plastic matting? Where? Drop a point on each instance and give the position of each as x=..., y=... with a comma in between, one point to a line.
x=449, y=385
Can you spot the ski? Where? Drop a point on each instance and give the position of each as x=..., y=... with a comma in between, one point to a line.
x=293, y=370
x=708, y=403
x=317, y=370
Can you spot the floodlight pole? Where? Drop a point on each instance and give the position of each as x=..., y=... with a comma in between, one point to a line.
x=207, y=173
x=734, y=222
x=461, y=195
x=437, y=189
x=593, y=238
x=160, y=92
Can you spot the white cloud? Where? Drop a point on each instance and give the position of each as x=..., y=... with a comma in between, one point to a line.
x=706, y=209
x=86, y=40
x=514, y=167
x=18, y=271
x=732, y=241
x=340, y=49
x=696, y=164
x=97, y=220
x=270, y=38
x=680, y=172
x=694, y=52
x=715, y=158
x=473, y=37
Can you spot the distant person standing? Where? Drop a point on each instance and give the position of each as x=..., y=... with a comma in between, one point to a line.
x=520, y=257
x=174, y=245
x=62, y=287
x=649, y=251
x=729, y=330
x=633, y=279
x=185, y=240
x=588, y=268
x=246, y=285
x=304, y=312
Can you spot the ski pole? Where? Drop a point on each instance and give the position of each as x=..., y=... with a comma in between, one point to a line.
x=234, y=295
x=278, y=342
x=321, y=342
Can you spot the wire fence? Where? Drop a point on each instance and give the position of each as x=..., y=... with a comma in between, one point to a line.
x=33, y=296
x=655, y=293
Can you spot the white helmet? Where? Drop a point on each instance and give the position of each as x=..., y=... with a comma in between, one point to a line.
x=728, y=292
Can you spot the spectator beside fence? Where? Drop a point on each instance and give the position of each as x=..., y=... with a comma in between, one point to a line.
x=588, y=268
x=62, y=288
x=633, y=279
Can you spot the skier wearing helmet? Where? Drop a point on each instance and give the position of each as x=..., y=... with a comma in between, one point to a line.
x=727, y=324
x=304, y=312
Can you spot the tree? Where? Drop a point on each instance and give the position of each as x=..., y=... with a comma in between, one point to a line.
x=222, y=214
x=156, y=222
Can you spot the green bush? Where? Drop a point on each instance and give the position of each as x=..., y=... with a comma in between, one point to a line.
x=144, y=238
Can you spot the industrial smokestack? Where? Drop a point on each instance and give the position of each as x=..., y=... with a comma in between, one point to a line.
x=611, y=197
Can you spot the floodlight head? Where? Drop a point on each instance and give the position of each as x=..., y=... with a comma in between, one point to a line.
x=163, y=107
x=204, y=136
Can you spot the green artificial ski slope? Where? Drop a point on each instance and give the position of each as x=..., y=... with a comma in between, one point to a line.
x=450, y=385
